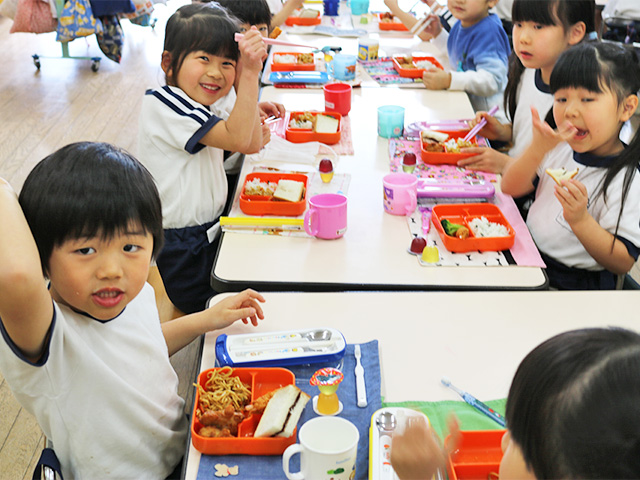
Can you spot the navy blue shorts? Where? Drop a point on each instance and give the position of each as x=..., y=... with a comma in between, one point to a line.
x=185, y=264
x=563, y=277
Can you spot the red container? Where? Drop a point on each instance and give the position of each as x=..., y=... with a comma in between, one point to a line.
x=276, y=66
x=301, y=135
x=261, y=381
x=409, y=69
x=477, y=457
x=462, y=214
x=396, y=24
x=262, y=205
x=291, y=21
x=436, y=158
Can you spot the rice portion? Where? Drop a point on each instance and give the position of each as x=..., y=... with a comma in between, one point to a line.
x=285, y=58
x=482, y=227
x=425, y=65
x=258, y=187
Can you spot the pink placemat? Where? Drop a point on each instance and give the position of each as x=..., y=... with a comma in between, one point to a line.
x=343, y=147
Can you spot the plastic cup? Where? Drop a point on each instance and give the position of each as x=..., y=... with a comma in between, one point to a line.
x=400, y=192
x=368, y=49
x=343, y=67
x=331, y=7
x=359, y=7
x=327, y=216
x=390, y=121
x=337, y=98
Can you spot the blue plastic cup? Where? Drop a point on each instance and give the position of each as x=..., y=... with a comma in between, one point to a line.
x=359, y=7
x=331, y=7
x=390, y=120
x=342, y=67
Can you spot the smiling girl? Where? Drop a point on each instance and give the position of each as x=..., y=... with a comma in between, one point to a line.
x=182, y=142
x=588, y=228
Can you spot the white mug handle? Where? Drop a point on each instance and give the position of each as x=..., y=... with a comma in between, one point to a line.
x=413, y=202
x=308, y=217
x=286, y=456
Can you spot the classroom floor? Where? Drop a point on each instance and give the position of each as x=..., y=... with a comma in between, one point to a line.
x=64, y=102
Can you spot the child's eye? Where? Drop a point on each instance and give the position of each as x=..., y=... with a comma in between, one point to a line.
x=229, y=64
x=204, y=58
x=560, y=100
x=263, y=29
x=129, y=248
x=85, y=250
x=243, y=29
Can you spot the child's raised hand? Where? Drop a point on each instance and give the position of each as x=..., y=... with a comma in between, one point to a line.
x=486, y=160
x=573, y=197
x=436, y=79
x=253, y=50
x=432, y=30
x=268, y=109
x=244, y=306
x=493, y=129
x=546, y=138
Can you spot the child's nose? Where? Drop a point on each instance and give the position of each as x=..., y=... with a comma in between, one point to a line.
x=214, y=71
x=110, y=267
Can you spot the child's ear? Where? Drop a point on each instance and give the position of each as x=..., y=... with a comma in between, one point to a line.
x=166, y=63
x=492, y=3
x=629, y=107
x=577, y=31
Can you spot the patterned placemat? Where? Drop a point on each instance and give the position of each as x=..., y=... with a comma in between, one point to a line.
x=343, y=147
x=382, y=72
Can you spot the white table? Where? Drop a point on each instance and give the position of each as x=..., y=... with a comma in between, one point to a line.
x=372, y=254
x=420, y=340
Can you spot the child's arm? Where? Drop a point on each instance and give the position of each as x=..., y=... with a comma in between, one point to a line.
x=597, y=241
x=517, y=179
x=486, y=160
x=409, y=20
x=241, y=132
x=244, y=306
x=26, y=308
x=287, y=10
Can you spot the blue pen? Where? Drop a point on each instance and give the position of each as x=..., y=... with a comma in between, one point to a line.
x=474, y=402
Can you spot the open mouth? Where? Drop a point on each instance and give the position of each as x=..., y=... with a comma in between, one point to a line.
x=580, y=134
x=108, y=297
x=210, y=88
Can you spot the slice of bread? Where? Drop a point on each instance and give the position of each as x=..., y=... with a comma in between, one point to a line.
x=433, y=135
x=559, y=174
x=289, y=191
x=282, y=413
x=326, y=124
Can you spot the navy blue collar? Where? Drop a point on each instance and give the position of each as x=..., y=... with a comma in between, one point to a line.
x=590, y=160
x=540, y=85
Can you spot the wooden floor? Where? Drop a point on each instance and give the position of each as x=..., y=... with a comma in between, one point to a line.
x=61, y=103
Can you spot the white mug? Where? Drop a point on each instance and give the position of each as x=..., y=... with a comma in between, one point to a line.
x=328, y=448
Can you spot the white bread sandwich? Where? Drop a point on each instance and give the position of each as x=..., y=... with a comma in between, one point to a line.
x=282, y=413
x=289, y=191
x=559, y=174
x=428, y=134
x=326, y=124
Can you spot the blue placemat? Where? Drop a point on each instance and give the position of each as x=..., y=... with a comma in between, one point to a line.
x=270, y=467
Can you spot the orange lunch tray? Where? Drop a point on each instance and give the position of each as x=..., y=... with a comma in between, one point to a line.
x=413, y=72
x=291, y=21
x=393, y=25
x=261, y=381
x=436, y=158
x=263, y=205
x=301, y=135
x=462, y=214
x=478, y=455
x=290, y=67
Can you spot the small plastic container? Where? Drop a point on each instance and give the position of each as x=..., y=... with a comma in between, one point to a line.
x=437, y=158
x=262, y=205
x=301, y=135
x=293, y=20
x=462, y=214
x=410, y=70
x=261, y=381
x=396, y=24
x=478, y=455
x=277, y=66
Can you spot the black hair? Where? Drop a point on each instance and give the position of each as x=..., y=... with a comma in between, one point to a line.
x=87, y=189
x=544, y=12
x=574, y=405
x=597, y=67
x=253, y=12
x=203, y=27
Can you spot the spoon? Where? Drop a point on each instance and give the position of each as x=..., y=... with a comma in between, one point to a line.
x=314, y=336
x=386, y=422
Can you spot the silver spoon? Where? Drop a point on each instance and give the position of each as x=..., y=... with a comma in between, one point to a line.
x=386, y=422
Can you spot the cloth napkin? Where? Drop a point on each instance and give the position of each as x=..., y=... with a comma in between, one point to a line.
x=270, y=467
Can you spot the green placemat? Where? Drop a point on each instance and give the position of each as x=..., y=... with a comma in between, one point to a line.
x=468, y=417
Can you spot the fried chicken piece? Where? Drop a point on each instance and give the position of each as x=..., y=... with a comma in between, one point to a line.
x=213, y=432
x=222, y=419
x=275, y=32
x=260, y=403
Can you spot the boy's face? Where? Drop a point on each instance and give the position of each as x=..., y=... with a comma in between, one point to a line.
x=100, y=277
x=263, y=28
x=470, y=12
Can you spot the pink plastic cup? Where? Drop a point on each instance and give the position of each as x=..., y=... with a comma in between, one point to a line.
x=400, y=193
x=337, y=98
x=327, y=216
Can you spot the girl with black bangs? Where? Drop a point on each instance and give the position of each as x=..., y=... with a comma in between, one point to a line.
x=182, y=140
x=542, y=30
x=587, y=228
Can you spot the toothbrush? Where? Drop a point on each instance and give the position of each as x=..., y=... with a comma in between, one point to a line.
x=474, y=402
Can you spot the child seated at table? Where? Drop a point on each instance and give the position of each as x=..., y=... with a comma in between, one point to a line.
x=282, y=9
x=86, y=353
x=409, y=20
x=478, y=50
x=573, y=411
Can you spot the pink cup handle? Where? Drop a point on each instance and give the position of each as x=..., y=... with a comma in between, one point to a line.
x=413, y=202
x=307, y=222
